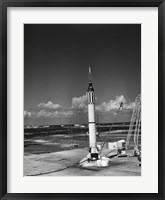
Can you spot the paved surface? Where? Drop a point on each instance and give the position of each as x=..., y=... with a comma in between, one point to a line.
x=65, y=163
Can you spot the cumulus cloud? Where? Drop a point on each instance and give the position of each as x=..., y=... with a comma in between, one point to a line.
x=78, y=106
x=79, y=103
x=27, y=114
x=129, y=106
x=113, y=105
x=66, y=113
x=45, y=113
x=48, y=113
x=49, y=105
x=52, y=114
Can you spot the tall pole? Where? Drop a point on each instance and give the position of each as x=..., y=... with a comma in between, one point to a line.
x=91, y=119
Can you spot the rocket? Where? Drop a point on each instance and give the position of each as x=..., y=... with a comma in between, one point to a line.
x=93, y=151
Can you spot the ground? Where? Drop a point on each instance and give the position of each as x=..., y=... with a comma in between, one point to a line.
x=55, y=142
x=58, y=152
x=66, y=163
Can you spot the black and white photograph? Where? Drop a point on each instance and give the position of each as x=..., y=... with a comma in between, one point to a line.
x=82, y=100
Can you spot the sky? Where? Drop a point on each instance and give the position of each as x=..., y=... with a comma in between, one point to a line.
x=56, y=61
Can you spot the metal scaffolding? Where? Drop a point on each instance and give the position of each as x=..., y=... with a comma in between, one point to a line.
x=134, y=133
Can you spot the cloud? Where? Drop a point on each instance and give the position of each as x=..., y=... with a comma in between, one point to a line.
x=113, y=105
x=129, y=106
x=79, y=103
x=48, y=113
x=52, y=114
x=27, y=114
x=49, y=110
x=66, y=113
x=49, y=105
x=45, y=113
x=78, y=106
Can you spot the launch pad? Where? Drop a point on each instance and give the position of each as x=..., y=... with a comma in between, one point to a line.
x=66, y=163
x=100, y=162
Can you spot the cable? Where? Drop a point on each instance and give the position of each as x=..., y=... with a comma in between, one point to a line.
x=121, y=106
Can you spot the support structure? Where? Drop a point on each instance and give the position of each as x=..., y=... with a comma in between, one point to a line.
x=135, y=128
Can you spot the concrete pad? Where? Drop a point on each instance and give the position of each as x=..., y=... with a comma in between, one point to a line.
x=66, y=163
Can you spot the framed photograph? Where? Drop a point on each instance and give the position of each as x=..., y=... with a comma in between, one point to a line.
x=82, y=99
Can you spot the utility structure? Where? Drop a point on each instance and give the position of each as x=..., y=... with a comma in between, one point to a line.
x=93, y=151
x=135, y=128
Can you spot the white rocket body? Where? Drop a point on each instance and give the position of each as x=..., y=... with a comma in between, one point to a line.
x=92, y=128
x=91, y=120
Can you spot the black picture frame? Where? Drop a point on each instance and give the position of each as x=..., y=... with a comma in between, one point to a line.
x=4, y=4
